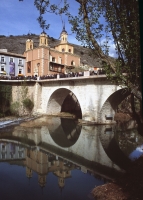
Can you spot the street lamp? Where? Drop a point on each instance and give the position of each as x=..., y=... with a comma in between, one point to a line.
x=38, y=65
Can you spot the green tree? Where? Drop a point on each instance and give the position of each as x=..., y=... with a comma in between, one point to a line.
x=121, y=25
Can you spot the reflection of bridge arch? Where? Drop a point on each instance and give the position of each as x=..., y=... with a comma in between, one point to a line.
x=111, y=147
x=109, y=107
x=65, y=132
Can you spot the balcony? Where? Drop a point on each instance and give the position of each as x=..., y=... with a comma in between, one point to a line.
x=56, y=67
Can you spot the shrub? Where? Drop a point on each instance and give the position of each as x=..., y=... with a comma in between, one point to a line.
x=27, y=103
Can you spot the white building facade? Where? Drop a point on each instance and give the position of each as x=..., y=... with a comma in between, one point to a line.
x=11, y=64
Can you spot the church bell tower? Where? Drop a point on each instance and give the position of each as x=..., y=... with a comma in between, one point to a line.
x=64, y=35
x=29, y=44
x=43, y=40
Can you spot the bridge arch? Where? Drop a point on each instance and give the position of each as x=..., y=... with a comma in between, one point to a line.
x=63, y=100
x=109, y=107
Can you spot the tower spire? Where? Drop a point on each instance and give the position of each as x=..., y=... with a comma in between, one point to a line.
x=64, y=34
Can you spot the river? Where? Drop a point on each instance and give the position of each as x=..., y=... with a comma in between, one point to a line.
x=58, y=159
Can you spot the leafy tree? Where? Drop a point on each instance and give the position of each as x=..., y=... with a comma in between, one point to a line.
x=121, y=25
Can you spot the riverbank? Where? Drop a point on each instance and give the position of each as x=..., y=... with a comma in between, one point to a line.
x=128, y=187
x=120, y=117
x=10, y=120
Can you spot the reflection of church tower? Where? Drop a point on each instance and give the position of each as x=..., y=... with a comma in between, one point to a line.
x=62, y=175
x=61, y=182
x=42, y=180
x=28, y=172
x=43, y=40
x=29, y=44
x=64, y=35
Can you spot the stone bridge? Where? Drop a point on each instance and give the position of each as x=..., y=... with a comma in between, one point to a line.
x=96, y=97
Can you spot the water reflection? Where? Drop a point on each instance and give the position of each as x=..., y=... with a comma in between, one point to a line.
x=59, y=154
x=44, y=163
x=65, y=132
x=136, y=153
x=130, y=142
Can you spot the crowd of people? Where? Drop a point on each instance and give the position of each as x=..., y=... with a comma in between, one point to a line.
x=48, y=76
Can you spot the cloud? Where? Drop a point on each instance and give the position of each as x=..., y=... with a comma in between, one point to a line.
x=112, y=51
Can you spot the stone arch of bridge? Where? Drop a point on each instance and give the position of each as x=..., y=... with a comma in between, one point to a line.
x=57, y=101
x=107, y=112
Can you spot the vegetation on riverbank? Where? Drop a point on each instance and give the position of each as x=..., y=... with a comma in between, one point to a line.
x=128, y=187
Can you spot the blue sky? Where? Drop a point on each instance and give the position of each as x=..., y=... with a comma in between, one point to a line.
x=20, y=17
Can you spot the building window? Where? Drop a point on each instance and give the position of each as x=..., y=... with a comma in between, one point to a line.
x=69, y=50
x=29, y=67
x=20, y=71
x=3, y=147
x=2, y=68
x=20, y=62
x=2, y=59
x=20, y=154
x=59, y=69
x=11, y=60
x=72, y=62
x=3, y=155
x=63, y=50
x=60, y=60
x=11, y=155
x=53, y=59
x=51, y=67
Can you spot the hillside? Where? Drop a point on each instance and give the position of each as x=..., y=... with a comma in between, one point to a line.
x=16, y=44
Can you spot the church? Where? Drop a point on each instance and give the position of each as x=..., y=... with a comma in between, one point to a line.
x=44, y=60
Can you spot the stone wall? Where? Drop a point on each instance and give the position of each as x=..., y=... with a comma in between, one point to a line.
x=19, y=94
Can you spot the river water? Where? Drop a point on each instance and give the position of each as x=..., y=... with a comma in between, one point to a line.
x=58, y=159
